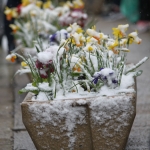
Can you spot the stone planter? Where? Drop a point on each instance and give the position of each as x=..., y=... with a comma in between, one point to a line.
x=97, y=123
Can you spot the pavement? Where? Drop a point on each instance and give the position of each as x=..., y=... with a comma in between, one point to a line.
x=13, y=134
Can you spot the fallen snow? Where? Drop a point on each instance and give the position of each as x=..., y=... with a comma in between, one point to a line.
x=54, y=113
x=126, y=82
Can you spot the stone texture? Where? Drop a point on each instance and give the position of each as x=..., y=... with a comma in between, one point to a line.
x=89, y=135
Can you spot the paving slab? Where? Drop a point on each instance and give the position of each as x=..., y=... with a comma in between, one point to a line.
x=6, y=103
x=19, y=82
x=22, y=141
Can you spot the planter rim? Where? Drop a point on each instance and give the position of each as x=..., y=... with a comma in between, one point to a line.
x=30, y=94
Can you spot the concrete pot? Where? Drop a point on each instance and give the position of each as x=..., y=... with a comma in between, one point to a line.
x=97, y=123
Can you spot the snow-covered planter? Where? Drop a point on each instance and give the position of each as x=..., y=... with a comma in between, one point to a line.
x=83, y=91
x=99, y=123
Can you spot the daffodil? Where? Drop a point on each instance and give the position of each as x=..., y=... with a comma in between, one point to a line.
x=23, y=64
x=76, y=68
x=14, y=28
x=103, y=36
x=11, y=57
x=39, y=3
x=90, y=39
x=112, y=46
x=74, y=63
x=33, y=13
x=25, y=2
x=93, y=33
x=74, y=28
x=68, y=4
x=47, y=4
x=133, y=37
x=78, y=4
x=120, y=31
x=89, y=47
x=123, y=42
x=78, y=39
x=10, y=13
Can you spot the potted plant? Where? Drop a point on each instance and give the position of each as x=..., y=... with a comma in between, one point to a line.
x=83, y=94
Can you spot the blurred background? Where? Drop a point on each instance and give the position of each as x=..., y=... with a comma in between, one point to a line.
x=109, y=14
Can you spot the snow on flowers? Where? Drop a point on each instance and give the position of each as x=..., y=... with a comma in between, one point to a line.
x=34, y=18
x=82, y=62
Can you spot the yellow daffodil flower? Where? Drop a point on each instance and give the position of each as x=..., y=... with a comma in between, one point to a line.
x=103, y=36
x=94, y=34
x=74, y=28
x=90, y=39
x=47, y=4
x=39, y=3
x=10, y=13
x=79, y=30
x=33, y=13
x=133, y=37
x=11, y=57
x=23, y=64
x=123, y=42
x=78, y=4
x=89, y=47
x=120, y=31
x=76, y=68
x=78, y=39
x=75, y=61
x=112, y=46
x=14, y=28
x=25, y=2
x=68, y=4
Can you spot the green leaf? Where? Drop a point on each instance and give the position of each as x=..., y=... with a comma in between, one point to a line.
x=22, y=91
x=138, y=73
x=34, y=84
x=37, y=49
x=76, y=74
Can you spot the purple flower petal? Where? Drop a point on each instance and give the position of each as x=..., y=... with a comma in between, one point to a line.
x=115, y=81
x=95, y=81
x=53, y=38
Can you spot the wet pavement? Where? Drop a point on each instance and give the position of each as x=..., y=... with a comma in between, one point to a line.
x=12, y=130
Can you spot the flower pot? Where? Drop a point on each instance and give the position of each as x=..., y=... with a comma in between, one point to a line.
x=94, y=123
